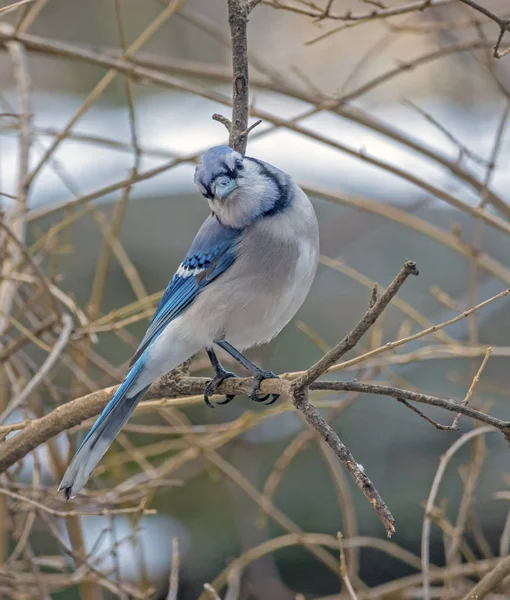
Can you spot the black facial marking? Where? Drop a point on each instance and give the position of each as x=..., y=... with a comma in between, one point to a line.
x=225, y=171
x=209, y=195
x=283, y=199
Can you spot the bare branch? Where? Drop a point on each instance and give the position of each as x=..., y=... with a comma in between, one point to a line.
x=354, y=336
x=173, y=587
x=302, y=403
x=504, y=25
x=223, y=120
x=425, y=540
x=490, y=581
x=53, y=356
x=238, y=20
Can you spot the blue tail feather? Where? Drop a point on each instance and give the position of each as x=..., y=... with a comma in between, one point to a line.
x=102, y=434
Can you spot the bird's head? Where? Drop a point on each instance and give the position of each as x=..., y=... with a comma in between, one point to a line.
x=217, y=174
x=239, y=189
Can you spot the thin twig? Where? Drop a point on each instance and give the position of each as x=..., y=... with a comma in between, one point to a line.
x=353, y=337
x=173, y=588
x=14, y=221
x=211, y=592
x=51, y=359
x=503, y=24
x=474, y=383
x=425, y=539
x=343, y=569
x=301, y=401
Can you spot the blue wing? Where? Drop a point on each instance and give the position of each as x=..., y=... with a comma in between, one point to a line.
x=212, y=252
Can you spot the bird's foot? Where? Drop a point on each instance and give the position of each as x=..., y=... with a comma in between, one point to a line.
x=257, y=380
x=214, y=384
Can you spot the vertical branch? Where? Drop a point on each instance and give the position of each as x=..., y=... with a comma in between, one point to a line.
x=238, y=20
x=238, y=13
x=15, y=221
x=15, y=217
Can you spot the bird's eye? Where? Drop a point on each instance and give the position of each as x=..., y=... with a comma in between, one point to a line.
x=239, y=165
x=223, y=180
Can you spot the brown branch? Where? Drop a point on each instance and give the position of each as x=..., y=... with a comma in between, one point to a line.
x=38, y=431
x=354, y=336
x=421, y=414
x=312, y=415
x=65, y=417
x=48, y=364
x=223, y=120
x=398, y=394
x=173, y=582
x=14, y=219
x=503, y=24
x=349, y=16
x=51, y=47
x=300, y=398
x=238, y=11
x=490, y=581
x=425, y=538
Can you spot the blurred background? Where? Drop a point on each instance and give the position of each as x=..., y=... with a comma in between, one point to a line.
x=396, y=126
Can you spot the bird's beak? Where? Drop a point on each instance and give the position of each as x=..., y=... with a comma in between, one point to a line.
x=223, y=192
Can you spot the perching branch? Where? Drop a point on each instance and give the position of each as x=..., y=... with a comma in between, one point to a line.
x=38, y=431
x=295, y=389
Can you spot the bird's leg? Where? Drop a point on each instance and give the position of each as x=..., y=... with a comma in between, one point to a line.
x=221, y=375
x=258, y=373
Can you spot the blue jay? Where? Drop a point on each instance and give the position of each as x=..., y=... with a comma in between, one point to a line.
x=246, y=274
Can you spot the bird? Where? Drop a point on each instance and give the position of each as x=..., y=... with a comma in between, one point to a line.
x=246, y=274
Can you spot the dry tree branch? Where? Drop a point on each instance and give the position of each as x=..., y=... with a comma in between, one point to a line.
x=352, y=338
x=299, y=397
x=10, y=7
x=105, y=81
x=238, y=12
x=211, y=592
x=343, y=568
x=329, y=541
x=189, y=390
x=383, y=13
x=420, y=334
x=503, y=24
x=14, y=220
x=173, y=583
x=425, y=541
x=334, y=105
x=490, y=581
x=48, y=364
x=73, y=413
x=76, y=513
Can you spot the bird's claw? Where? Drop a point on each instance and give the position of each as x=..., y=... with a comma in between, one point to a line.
x=214, y=384
x=257, y=380
x=228, y=398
